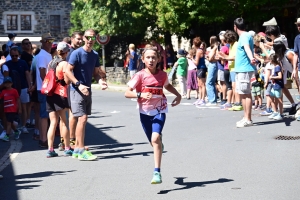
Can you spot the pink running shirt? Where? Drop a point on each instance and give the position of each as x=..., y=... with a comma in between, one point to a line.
x=153, y=83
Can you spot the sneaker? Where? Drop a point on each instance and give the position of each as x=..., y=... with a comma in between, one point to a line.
x=267, y=112
x=293, y=110
x=24, y=130
x=262, y=107
x=298, y=97
x=72, y=142
x=17, y=134
x=272, y=115
x=244, y=123
x=68, y=152
x=61, y=146
x=211, y=104
x=226, y=106
x=156, y=179
x=86, y=155
x=201, y=103
x=241, y=121
x=4, y=137
x=278, y=117
x=51, y=154
x=74, y=155
x=237, y=108
x=196, y=102
x=298, y=118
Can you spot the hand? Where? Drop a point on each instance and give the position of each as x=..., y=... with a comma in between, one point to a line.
x=176, y=101
x=146, y=95
x=84, y=89
x=261, y=45
x=103, y=84
x=2, y=60
x=294, y=74
x=253, y=61
x=265, y=85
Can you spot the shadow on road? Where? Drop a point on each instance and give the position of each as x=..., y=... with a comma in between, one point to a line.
x=189, y=185
x=287, y=121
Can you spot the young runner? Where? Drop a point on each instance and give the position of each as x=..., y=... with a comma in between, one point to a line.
x=152, y=103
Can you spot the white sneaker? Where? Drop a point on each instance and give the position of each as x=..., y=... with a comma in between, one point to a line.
x=244, y=123
x=211, y=104
x=278, y=117
x=241, y=121
x=24, y=130
x=273, y=115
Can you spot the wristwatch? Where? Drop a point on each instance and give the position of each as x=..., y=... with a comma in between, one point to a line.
x=77, y=84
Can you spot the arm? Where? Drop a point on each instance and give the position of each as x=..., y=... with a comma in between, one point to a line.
x=290, y=56
x=42, y=73
x=199, y=55
x=129, y=93
x=212, y=53
x=28, y=78
x=279, y=76
x=100, y=74
x=171, y=89
x=249, y=53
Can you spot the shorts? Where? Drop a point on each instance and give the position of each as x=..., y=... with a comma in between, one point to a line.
x=268, y=89
x=153, y=124
x=80, y=104
x=11, y=116
x=201, y=73
x=276, y=93
x=256, y=91
x=24, y=96
x=34, y=97
x=221, y=75
x=243, y=83
x=42, y=100
x=232, y=77
x=56, y=103
x=286, y=69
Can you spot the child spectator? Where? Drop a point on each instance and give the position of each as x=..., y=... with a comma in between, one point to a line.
x=276, y=89
x=12, y=105
x=192, y=82
x=257, y=89
x=181, y=65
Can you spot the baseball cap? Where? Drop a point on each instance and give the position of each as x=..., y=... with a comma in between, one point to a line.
x=62, y=46
x=222, y=33
x=261, y=34
x=181, y=52
x=47, y=36
x=7, y=79
x=11, y=35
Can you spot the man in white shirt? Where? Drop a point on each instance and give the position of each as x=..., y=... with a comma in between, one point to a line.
x=42, y=61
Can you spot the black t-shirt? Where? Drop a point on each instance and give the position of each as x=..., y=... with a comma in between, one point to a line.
x=27, y=57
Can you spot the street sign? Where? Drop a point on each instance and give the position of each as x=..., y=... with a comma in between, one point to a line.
x=102, y=39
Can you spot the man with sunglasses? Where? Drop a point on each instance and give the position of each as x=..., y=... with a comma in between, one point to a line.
x=83, y=64
x=42, y=60
x=22, y=68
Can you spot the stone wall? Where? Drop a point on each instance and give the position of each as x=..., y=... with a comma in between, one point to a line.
x=42, y=10
x=117, y=75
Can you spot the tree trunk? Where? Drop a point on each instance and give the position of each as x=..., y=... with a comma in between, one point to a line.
x=167, y=36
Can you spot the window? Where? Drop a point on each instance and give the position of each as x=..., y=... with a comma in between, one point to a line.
x=55, y=23
x=25, y=22
x=12, y=22
x=18, y=21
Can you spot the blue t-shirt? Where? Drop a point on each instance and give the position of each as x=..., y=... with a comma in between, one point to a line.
x=84, y=64
x=133, y=61
x=69, y=54
x=21, y=67
x=278, y=82
x=242, y=62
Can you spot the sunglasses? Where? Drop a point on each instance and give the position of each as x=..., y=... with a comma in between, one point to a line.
x=13, y=56
x=90, y=37
x=25, y=43
x=49, y=41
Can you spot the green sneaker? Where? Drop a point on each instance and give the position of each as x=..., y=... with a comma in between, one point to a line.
x=238, y=108
x=156, y=178
x=74, y=155
x=86, y=155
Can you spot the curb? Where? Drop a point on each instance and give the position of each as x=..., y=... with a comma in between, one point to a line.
x=11, y=154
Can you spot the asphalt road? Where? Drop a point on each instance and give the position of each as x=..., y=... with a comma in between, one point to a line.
x=206, y=157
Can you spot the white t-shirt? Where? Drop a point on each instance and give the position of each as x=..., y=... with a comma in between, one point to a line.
x=42, y=61
x=5, y=68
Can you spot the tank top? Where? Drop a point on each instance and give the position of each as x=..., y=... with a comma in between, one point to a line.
x=60, y=89
x=201, y=63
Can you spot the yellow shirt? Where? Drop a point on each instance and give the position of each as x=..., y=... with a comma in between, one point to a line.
x=232, y=52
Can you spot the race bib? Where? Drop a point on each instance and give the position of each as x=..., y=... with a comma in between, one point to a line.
x=157, y=92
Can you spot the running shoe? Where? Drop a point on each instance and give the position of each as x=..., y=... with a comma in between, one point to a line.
x=196, y=102
x=61, y=146
x=298, y=118
x=262, y=107
x=156, y=179
x=223, y=102
x=211, y=104
x=298, y=97
x=68, y=152
x=226, y=106
x=4, y=138
x=267, y=112
x=278, y=117
x=244, y=123
x=293, y=110
x=72, y=142
x=237, y=108
x=24, y=130
x=241, y=121
x=273, y=115
x=17, y=134
x=74, y=155
x=51, y=154
x=86, y=155
x=201, y=103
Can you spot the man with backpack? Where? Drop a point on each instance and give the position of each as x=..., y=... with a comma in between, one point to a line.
x=42, y=60
x=19, y=72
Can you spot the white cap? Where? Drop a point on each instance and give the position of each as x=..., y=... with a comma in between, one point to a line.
x=271, y=22
x=64, y=47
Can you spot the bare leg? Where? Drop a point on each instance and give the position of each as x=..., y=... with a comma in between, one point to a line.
x=247, y=104
x=288, y=95
x=72, y=124
x=43, y=122
x=51, y=131
x=259, y=100
x=157, y=148
x=274, y=107
x=24, y=113
x=63, y=127
x=80, y=131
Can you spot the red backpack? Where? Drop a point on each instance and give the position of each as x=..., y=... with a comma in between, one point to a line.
x=50, y=80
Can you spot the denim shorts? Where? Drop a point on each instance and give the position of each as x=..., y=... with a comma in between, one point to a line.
x=153, y=124
x=276, y=93
x=42, y=100
x=232, y=77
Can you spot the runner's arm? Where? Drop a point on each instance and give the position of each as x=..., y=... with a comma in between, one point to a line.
x=171, y=89
x=129, y=93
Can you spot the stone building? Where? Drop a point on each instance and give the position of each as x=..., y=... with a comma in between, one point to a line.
x=31, y=18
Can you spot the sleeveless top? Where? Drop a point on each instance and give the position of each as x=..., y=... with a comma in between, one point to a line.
x=201, y=63
x=61, y=89
x=286, y=65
